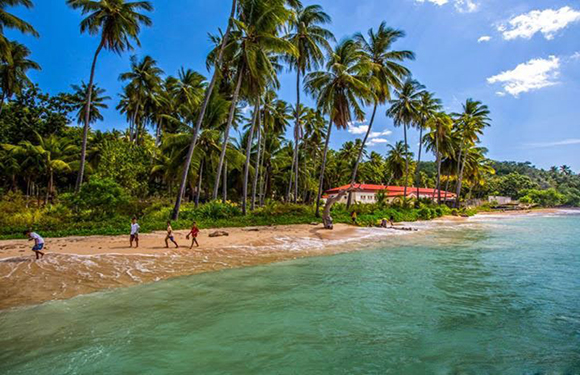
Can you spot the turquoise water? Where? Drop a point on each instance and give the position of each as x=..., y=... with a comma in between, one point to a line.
x=495, y=296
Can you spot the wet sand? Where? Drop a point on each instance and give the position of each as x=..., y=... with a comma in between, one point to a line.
x=80, y=265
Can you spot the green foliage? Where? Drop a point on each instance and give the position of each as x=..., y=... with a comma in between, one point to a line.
x=100, y=197
x=544, y=198
x=513, y=185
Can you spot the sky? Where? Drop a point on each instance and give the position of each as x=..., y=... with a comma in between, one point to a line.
x=519, y=57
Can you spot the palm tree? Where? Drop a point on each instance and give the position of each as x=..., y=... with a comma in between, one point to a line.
x=386, y=73
x=79, y=99
x=10, y=21
x=201, y=115
x=338, y=91
x=428, y=108
x=440, y=125
x=144, y=80
x=311, y=39
x=470, y=125
x=118, y=22
x=13, y=70
x=397, y=160
x=405, y=112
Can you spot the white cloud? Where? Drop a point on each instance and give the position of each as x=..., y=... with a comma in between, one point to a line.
x=462, y=6
x=548, y=22
x=565, y=142
x=376, y=142
x=357, y=129
x=483, y=39
x=532, y=75
x=575, y=56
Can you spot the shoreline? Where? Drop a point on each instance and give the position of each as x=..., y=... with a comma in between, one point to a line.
x=82, y=265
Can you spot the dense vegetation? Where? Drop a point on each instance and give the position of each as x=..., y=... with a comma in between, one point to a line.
x=178, y=144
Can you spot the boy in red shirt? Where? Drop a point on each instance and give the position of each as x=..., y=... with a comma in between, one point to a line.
x=193, y=233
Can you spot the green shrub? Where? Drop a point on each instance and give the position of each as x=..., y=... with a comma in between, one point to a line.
x=100, y=197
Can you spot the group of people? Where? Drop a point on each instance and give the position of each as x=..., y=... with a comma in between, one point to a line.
x=193, y=233
x=134, y=237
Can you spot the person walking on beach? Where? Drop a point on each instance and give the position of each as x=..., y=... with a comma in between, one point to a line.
x=170, y=236
x=38, y=243
x=134, y=233
x=353, y=217
x=193, y=233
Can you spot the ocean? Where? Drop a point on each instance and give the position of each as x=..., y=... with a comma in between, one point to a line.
x=493, y=295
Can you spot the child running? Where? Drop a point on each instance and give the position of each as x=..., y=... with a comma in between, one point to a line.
x=170, y=236
x=38, y=243
x=193, y=233
x=134, y=233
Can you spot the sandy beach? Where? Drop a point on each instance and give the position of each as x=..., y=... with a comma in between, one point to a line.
x=80, y=265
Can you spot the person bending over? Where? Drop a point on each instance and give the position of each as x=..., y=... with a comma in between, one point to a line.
x=38, y=243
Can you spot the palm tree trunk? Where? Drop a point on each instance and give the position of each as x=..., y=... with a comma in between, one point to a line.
x=225, y=183
x=248, y=154
x=447, y=185
x=231, y=114
x=458, y=184
x=417, y=174
x=406, y=162
x=460, y=178
x=438, y=184
x=360, y=154
x=291, y=179
x=201, y=116
x=297, y=137
x=87, y=118
x=2, y=98
x=199, y=180
x=322, y=168
x=257, y=168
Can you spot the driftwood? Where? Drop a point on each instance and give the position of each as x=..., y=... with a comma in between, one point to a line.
x=250, y=229
x=219, y=233
x=330, y=201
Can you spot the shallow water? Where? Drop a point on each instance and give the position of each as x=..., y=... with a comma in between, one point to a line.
x=493, y=295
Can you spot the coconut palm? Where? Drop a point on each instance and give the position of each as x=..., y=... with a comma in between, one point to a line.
x=338, y=91
x=118, y=23
x=311, y=40
x=405, y=112
x=10, y=21
x=440, y=126
x=80, y=99
x=13, y=70
x=397, y=160
x=428, y=108
x=386, y=71
x=143, y=81
x=470, y=125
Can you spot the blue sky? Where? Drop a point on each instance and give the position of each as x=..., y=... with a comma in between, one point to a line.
x=520, y=57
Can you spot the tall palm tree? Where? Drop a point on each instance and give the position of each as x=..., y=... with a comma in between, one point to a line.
x=203, y=109
x=397, y=160
x=10, y=21
x=13, y=71
x=386, y=73
x=79, y=98
x=311, y=40
x=470, y=125
x=143, y=81
x=338, y=91
x=118, y=23
x=405, y=112
x=440, y=125
x=428, y=108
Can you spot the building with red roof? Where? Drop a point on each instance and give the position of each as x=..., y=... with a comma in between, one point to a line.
x=366, y=193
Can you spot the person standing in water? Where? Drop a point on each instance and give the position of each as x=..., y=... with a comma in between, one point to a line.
x=170, y=236
x=38, y=243
x=193, y=233
x=134, y=233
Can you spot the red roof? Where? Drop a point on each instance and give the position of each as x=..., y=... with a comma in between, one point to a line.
x=392, y=191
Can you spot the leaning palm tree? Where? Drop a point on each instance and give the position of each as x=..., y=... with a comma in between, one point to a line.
x=118, y=22
x=386, y=74
x=10, y=21
x=428, y=108
x=470, y=125
x=13, y=71
x=311, y=40
x=338, y=91
x=405, y=112
x=143, y=81
x=203, y=109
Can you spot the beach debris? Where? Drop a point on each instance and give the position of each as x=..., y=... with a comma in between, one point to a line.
x=219, y=233
x=250, y=229
x=314, y=223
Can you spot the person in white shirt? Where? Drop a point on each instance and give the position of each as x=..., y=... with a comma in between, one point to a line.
x=134, y=233
x=38, y=243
